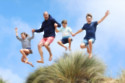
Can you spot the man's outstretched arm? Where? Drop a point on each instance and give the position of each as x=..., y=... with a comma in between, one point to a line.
x=38, y=30
x=106, y=14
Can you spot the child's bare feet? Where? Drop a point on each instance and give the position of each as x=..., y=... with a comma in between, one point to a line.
x=40, y=61
x=65, y=48
x=31, y=64
x=50, y=58
x=26, y=60
x=69, y=48
x=90, y=55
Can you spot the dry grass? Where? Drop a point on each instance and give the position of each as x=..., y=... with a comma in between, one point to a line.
x=71, y=68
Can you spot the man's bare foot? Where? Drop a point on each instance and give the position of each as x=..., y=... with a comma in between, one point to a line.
x=90, y=55
x=65, y=48
x=39, y=61
x=50, y=58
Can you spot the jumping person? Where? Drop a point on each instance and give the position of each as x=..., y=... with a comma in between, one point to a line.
x=66, y=32
x=48, y=27
x=90, y=28
x=26, y=46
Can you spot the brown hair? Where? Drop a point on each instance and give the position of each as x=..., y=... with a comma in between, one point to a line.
x=90, y=15
x=64, y=22
x=24, y=34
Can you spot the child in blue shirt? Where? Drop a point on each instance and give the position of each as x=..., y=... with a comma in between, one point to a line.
x=90, y=28
x=66, y=32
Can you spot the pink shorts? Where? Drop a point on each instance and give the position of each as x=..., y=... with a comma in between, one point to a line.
x=47, y=39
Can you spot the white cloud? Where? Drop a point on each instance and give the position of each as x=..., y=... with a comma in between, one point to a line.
x=9, y=76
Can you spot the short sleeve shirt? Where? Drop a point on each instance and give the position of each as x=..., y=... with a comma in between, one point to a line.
x=65, y=31
x=90, y=30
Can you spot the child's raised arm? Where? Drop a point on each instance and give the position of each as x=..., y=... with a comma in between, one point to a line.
x=16, y=30
x=79, y=31
x=106, y=14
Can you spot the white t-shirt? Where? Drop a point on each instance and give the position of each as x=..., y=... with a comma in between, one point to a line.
x=65, y=31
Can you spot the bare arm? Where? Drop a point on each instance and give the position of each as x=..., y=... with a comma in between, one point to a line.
x=16, y=30
x=32, y=35
x=56, y=30
x=106, y=14
x=72, y=33
x=79, y=31
x=38, y=30
x=56, y=25
x=55, y=22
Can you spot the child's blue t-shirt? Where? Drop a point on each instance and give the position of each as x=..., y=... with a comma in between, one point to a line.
x=90, y=30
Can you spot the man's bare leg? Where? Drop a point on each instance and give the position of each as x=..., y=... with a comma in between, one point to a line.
x=69, y=43
x=49, y=50
x=61, y=44
x=40, y=52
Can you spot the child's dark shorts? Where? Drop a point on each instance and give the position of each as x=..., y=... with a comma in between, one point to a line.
x=65, y=40
x=30, y=50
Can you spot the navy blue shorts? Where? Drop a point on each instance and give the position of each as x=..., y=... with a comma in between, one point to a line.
x=65, y=40
x=30, y=50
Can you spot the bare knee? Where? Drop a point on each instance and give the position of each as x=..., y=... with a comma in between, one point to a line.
x=69, y=39
x=90, y=41
x=21, y=51
x=59, y=42
x=46, y=44
x=39, y=45
x=82, y=46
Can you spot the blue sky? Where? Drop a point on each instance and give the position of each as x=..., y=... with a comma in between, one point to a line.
x=27, y=14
